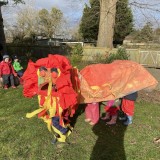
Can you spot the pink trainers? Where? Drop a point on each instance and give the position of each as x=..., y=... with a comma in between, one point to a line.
x=112, y=121
x=14, y=87
x=92, y=124
x=107, y=117
x=87, y=120
x=5, y=87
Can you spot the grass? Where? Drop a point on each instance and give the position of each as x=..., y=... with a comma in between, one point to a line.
x=29, y=139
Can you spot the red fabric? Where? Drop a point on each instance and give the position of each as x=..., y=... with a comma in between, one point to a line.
x=111, y=110
x=6, y=68
x=42, y=113
x=65, y=92
x=30, y=80
x=128, y=107
x=42, y=100
x=92, y=112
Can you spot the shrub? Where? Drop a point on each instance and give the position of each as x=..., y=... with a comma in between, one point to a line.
x=77, y=50
x=99, y=58
x=76, y=54
x=120, y=55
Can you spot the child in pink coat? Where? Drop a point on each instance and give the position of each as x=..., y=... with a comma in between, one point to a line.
x=92, y=113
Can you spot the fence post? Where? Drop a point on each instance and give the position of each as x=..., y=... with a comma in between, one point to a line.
x=139, y=55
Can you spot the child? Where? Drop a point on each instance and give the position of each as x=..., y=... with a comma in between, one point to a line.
x=17, y=67
x=128, y=107
x=92, y=113
x=7, y=72
x=111, y=109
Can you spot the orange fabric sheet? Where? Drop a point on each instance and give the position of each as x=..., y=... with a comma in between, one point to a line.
x=103, y=82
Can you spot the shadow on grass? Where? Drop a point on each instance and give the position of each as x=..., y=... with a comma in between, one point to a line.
x=110, y=142
x=80, y=110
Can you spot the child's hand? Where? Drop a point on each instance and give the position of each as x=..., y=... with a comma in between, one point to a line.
x=15, y=74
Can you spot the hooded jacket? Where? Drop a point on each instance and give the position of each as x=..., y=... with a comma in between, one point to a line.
x=6, y=68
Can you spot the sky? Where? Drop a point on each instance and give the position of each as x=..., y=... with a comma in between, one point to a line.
x=73, y=10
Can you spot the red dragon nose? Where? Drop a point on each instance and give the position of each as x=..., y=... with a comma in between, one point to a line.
x=42, y=73
x=54, y=75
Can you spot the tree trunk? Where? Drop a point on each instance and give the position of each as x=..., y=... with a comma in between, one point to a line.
x=2, y=35
x=107, y=23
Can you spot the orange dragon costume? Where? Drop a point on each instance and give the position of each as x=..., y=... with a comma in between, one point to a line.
x=103, y=82
x=60, y=88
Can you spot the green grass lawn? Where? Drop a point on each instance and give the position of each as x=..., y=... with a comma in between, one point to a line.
x=22, y=138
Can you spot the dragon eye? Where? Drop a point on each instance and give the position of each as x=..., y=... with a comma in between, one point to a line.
x=42, y=69
x=54, y=70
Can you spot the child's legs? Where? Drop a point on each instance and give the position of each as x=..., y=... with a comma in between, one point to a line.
x=1, y=82
x=128, y=107
x=95, y=113
x=113, y=111
x=20, y=73
x=5, y=79
x=88, y=113
x=11, y=79
x=55, y=122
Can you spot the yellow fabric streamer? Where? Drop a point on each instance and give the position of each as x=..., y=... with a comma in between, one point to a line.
x=52, y=110
x=32, y=114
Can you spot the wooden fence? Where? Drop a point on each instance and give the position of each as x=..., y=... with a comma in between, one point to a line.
x=148, y=58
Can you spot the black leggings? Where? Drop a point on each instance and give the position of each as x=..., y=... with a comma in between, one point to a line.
x=6, y=79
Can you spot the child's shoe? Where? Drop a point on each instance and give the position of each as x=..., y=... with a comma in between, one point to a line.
x=107, y=117
x=112, y=121
x=128, y=121
x=87, y=120
x=13, y=87
x=122, y=118
x=5, y=87
x=92, y=124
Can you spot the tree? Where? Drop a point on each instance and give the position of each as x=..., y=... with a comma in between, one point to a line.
x=31, y=23
x=123, y=21
x=75, y=34
x=18, y=1
x=27, y=24
x=145, y=34
x=107, y=23
x=2, y=35
x=157, y=35
x=90, y=21
x=50, y=22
